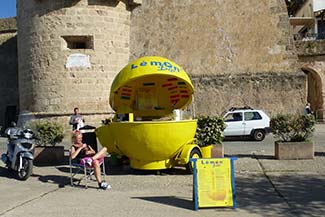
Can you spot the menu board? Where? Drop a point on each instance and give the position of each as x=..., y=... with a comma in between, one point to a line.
x=214, y=184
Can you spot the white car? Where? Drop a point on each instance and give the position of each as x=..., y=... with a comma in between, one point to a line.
x=247, y=122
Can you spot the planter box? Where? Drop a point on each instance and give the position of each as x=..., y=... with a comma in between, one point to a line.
x=294, y=150
x=217, y=151
x=206, y=151
x=212, y=151
x=49, y=155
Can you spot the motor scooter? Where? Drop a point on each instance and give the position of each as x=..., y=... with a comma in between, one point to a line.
x=20, y=151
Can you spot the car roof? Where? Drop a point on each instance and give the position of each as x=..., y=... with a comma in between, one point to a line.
x=240, y=108
x=243, y=110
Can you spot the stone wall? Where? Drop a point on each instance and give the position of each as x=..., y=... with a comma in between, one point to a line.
x=8, y=71
x=217, y=93
x=8, y=25
x=245, y=47
x=48, y=44
x=310, y=48
x=90, y=119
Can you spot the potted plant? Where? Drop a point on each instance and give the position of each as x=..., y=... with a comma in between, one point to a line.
x=293, y=134
x=47, y=135
x=209, y=134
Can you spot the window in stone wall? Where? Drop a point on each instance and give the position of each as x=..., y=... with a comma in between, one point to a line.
x=78, y=42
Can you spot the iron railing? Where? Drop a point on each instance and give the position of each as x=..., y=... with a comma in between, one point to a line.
x=308, y=36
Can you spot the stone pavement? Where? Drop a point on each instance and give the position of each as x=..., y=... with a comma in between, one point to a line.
x=265, y=187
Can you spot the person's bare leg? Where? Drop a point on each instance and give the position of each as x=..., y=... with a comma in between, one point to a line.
x=97, y=171
x=100, y=154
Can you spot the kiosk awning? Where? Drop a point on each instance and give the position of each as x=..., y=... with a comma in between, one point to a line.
x=151, y=86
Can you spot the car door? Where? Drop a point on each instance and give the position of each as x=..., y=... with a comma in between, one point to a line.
x=234, y=123
x=252, y=120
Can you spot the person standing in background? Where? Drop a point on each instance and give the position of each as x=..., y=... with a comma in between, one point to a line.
x=307, y=109
x=76, y=120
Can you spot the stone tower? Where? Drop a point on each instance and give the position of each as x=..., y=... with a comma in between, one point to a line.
x=68, y=52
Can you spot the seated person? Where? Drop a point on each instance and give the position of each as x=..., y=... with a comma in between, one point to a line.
x=86, y=155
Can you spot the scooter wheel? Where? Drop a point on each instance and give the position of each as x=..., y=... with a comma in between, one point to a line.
x=27, y=169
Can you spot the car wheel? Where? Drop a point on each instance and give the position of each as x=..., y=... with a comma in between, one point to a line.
x=195, y=153
x=259, y=135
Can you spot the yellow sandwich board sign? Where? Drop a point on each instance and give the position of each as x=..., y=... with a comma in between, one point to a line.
x=214, y=183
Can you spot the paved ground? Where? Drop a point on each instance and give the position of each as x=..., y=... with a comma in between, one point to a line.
x=265, y=187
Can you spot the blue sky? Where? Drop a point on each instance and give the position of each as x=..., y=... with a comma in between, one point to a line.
x=7, y=8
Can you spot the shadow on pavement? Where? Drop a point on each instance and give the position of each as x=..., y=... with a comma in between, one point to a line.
x=238, y=138
x=127, y=170
x=294, y=195
x=169, y=200
x=5, y=173
x=253, y=156
x=173, y=172
x=61, y=181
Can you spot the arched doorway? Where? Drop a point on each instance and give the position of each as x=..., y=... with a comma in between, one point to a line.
x=315, y=92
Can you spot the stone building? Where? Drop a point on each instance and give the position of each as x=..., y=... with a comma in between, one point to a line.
x=9, y=97
x=237, y=53
x=307, y=18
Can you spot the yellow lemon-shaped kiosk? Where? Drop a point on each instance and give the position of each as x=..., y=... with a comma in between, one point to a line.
x=148, y=90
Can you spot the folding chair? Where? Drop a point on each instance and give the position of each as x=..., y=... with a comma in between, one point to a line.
x=88, y=172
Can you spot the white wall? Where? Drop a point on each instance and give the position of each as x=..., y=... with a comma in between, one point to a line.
x=319, y=5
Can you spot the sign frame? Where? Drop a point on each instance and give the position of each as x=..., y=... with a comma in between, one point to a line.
x=195, y=180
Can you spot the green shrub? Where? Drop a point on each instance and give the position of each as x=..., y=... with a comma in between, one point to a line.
x=209, y=130
x=47, y=132
x=293, y=128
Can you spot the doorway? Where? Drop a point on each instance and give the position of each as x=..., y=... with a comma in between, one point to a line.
x=314, y=93
x=11, y=115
